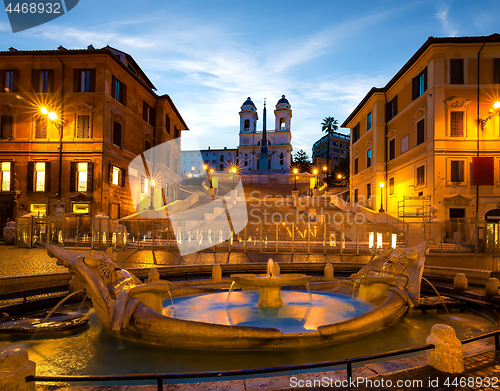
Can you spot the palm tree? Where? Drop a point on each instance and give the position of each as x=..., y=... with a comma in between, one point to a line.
x=329, y=125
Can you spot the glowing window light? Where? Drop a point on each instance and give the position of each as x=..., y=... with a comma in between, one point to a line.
x=371, y=240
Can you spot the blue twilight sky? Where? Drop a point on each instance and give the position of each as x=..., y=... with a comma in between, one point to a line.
x=209, y=56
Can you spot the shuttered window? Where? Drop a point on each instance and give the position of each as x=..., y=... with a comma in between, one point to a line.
x=84, y=80
x=421, y=175
x=392, y=149
x=457, y=170
x=6, y=126
x=41, y=128
x=456, y=71
x=419, y=84
x=119, y=91
x=392, y=108
x=83, y=126
x=457, y=123
x=117, y=133
x=420, y=132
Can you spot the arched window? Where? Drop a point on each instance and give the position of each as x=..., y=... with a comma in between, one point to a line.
x=282, y=123
x=247, y=124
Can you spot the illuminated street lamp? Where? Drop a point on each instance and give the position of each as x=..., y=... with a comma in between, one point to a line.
x=493, y=110
x=205, y=167
x=152, y=185
x=53, y=117
x=315, y=172
x=233, y=170
x=295, y=171
x=381, y=210
x=190, y=179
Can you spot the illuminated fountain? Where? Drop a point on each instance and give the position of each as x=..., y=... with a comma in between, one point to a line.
x=263, y=318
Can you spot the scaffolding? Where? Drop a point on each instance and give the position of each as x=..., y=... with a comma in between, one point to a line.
x=415, y=208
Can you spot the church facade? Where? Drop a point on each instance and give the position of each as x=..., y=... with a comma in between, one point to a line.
x=279, y=148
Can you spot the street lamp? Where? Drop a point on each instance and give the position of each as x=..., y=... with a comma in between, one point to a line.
x=381, y=210
x=152, y=184
x=493, y=110
x=295, y=171
x=205, y=167
x=190, y=179
x=315, y=172
x=59, y=126
x=233, y=170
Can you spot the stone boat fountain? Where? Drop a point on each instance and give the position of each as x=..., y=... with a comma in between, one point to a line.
x=374, y=298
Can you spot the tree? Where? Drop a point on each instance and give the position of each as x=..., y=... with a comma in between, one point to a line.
x=301, y=160
x=343, y=168
x=329, y=125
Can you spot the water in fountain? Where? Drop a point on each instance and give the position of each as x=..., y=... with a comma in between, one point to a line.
x=270, y=268
x=229, y=292
x=437, y=293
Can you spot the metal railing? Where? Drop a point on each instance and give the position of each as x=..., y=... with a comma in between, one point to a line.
x=160, y=377
x=312, y=234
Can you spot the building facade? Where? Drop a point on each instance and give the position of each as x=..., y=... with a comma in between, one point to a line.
x=100, y=111
x=339, y=149
x=431, y=135
x=278, y=140
x=217, y=159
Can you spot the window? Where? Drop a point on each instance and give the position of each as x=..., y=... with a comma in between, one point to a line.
x=9, y=82
x=117, y=133
x=368, y=191
x=391, y=186
x=81, y=176
x=368, y=158
x=405, y=143
x=282, y=123
x=114, y=211
x=40, y=176
x=41, y=128
x=119, y=91
x=247, y=124
x=148, y=114
x=356, y=195
x=392, y=108
x=175, y=193
x=167, y=123
x=420, y=132
x=419, y=84
x=421, y=175
x=356, y=167
x=456, y=71
x=457, y=170
x=83, y=126
x=6, y=126
x=116, y=176
x=336, y=150
x=221, y=158
x=81, y=208
x=355, y=133
x=6, y=176
x=496, y=70
x=84, y=80
x=369, y=121
x=42, y=80
x=221, y=167
x=145, y=185
x=246, y=163
x=457, y=123
x=392, y=149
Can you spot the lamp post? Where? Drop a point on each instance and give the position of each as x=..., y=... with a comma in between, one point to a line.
x=325, y=172
x=295, y=171
x=205, y=167
x=59, y=126
x=233, y=170
x=315, y=172
x=381, y=210
x=190, y=179
x=152, y=185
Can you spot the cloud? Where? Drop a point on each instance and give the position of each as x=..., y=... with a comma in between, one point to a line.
x=449, y=28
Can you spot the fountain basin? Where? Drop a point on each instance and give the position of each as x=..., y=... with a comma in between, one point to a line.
x=270, y=286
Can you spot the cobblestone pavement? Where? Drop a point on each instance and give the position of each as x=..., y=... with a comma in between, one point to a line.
x=23, y=261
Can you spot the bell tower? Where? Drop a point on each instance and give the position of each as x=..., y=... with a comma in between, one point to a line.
x=283, y=115
x=248, y=117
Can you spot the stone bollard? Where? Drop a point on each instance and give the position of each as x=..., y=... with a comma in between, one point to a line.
x=492, y=286
x=328, y=272
x=447, y=355
x=216, y=273
x=277, y=269
x=14, y=367
x=153, y=275
x=460, y=283
x=9, y=233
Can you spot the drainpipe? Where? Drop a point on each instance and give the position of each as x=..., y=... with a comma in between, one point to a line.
x=478, y=125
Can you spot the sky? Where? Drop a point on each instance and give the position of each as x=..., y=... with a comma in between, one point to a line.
x=209, y=56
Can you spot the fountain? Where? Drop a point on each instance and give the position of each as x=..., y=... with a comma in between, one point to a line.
x=270, y=285
x=382, y=292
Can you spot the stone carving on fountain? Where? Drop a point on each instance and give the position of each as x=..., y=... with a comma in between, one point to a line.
x=401, y=267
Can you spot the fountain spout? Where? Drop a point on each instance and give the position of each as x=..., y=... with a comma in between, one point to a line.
x=270, y=268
